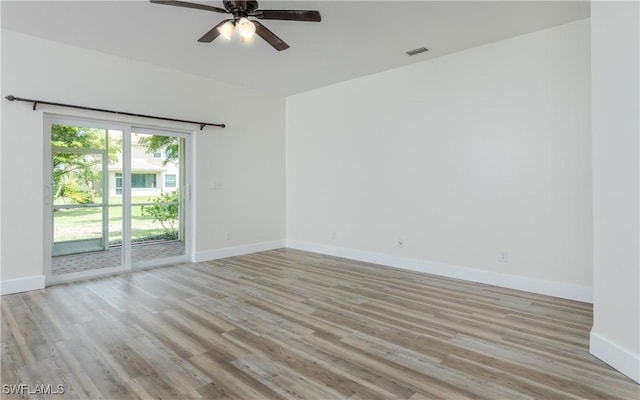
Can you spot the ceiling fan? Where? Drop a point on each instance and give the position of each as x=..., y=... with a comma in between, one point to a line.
x=241, y=11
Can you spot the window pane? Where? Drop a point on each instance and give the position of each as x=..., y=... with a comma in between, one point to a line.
x=157, y=225
x=118, y=186
x=77, y=178
x=138, y=180
x=170, y=180
x=77, y=137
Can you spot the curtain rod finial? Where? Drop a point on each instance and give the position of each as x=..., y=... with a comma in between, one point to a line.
x=11, y=97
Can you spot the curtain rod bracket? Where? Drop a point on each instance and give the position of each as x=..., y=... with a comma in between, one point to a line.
x=36, y=102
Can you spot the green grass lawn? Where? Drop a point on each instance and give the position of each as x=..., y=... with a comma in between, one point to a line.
x=86, y=223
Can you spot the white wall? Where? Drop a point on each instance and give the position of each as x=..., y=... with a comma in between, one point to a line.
x=1, y=114
x=246, y=158
x=615, y=337
x=462, y=157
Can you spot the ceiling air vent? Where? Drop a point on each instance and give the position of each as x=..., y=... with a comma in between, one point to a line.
x=417, y=51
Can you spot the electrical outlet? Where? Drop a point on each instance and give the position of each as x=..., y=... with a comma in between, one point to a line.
x=229, y=235
x=503, y=256
x=400, y=243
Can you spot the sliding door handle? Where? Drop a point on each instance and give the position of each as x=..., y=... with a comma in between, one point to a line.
x=47, y=195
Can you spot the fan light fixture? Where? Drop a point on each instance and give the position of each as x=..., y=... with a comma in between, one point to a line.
x=246, y=28
x=226, y=30
x=243, y=26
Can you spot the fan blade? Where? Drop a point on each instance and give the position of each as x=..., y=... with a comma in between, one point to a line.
x=212, y=34
x=289, y=15
x=189, y=5
x=270, y=37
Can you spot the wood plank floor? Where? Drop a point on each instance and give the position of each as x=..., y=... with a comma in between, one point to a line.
x=289, y=324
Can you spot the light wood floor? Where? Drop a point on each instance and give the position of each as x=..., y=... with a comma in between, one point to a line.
x=290, y=324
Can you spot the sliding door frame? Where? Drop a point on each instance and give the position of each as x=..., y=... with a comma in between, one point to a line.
x=126, y=128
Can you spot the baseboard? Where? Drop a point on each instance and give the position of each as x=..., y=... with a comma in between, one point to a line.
x=533, y=285
x=614, y=355
x=225, y=252
x=11, y=286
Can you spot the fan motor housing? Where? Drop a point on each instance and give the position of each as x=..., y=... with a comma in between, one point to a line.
x=240, y=8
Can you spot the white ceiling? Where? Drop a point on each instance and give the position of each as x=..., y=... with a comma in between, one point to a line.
x=355, y=38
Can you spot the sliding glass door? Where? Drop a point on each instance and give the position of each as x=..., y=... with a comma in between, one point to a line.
x=158, y=179
x=115, y=198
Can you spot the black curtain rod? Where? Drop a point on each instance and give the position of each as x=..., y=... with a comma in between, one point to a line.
x=36, y=102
